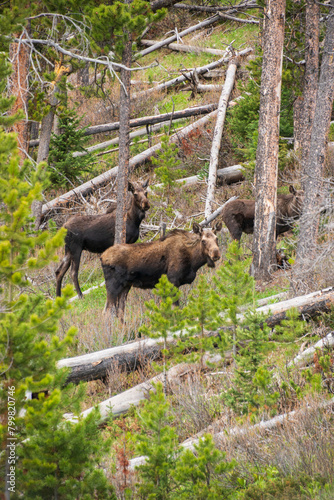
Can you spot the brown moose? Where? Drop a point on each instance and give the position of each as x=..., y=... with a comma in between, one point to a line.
x=179, y=255
x=96, y=233
x=238, y=215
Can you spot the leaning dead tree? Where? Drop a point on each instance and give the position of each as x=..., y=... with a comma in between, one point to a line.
x=103, y=179
x=217, y=135
x=188, y=74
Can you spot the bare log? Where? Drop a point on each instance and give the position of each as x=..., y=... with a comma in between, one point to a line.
x=180, y=47
x=207, y=8
x=306, y=356
x=228, y=175
x=167, y=41
x=217, y=136
x=148, y=120
x=101, y=180
x=188, y=75
x=129, y=356
x=279, y=420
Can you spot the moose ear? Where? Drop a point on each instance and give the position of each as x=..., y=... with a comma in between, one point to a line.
x=131, y=187
x=292, y=189
x=197, y=228
x=145, y=183
x=217, y=227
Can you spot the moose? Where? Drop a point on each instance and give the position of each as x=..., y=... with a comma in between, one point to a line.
x=238, y=215
x=179, y=255
x=96, y=233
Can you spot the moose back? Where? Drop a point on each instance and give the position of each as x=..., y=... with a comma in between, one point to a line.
x=179, y=255
x=96, y=233
x=238, y=215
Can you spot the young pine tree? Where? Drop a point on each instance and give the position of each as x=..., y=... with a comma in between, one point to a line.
x=164, y=317
x=166, y=165
x=41, y=457
x=234, y=288
x=65, y=169
x=158, y=443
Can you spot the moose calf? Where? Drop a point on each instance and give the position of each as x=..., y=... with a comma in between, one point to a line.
x=238, y=215
x=96, y=233
x=179, y=255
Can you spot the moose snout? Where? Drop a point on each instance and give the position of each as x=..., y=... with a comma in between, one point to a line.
x=145, y=205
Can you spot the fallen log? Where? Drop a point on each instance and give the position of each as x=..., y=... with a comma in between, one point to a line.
x=274, y=422
x=218, y=132
x=102, y=179
x=121, y=403
x=227, y=175
x=207, y=8
x=188, y=75
x=173, y=38
x=128, y=356
x=148, y=120
x=306, y=356
x=180, y=47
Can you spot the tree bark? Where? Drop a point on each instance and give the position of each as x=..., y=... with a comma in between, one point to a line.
x=267, y=150
x=308, y=101
x=18, y=84
x=124, y=143
x=217, y=135
x=314, y=167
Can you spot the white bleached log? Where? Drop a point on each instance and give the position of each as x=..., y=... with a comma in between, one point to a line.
x=306, y=356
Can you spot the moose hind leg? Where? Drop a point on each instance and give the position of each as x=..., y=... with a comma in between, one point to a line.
x=121, y=300
x=61, y=271
x=75, y=263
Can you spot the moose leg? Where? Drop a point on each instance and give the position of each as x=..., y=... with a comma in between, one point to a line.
x=75, y=263
x=60, y=272
x=120, y=306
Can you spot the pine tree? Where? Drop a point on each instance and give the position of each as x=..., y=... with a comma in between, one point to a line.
x=158, y=443
x=252, y=384
x=234, y=288
x=200, y=315
x=202, y=474
x=163, y=317
x=41, y=455
x=166, y=163
x=63, y=167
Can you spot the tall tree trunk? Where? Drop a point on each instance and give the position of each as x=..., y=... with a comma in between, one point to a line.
x=314, y=168
x=267, y=149
x=124, y=144
x=19, y=55
x=218, y=132
x=45, y=137
x=308, y=101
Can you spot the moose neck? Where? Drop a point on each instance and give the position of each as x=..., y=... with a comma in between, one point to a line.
x=135, y=214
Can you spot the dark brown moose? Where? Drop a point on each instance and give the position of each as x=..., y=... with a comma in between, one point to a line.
x=179, y=255
x=238, y=215
x=96, y=233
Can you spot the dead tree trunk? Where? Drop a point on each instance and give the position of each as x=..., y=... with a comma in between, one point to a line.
x=217, y=135
x=308, y=101
x=124, y=143
x=18, y=86
x=267, y=149
x=314, y=169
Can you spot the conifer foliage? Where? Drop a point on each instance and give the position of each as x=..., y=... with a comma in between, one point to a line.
x=48, y=458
